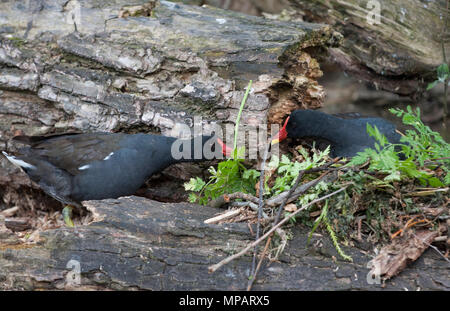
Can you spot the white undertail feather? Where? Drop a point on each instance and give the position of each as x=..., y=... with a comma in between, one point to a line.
x=18, y=162
x=108, y=156
x=84, y=167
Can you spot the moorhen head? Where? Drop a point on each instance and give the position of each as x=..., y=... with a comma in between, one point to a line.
x=93, y=166
x=346, y=136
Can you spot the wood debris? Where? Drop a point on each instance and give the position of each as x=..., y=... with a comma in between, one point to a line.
x=225, y=216
x=404, y=250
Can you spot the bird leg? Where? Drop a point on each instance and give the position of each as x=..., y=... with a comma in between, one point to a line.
x=67, y=215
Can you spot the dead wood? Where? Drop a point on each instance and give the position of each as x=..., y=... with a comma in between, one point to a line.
x=394, y=44
x=135, y=243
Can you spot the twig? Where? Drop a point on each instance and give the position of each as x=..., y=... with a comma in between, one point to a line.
x=10, y=211
x=224, y=216
x=427, y=192
x=289, y=194
x=432, y=246
x=305, y=188
x=278, y=215
x=260, y=210
x=440, y=238
x=275, y=201
x=223, y=199
x=253, y=278
x=214, y=267
x=410, y=223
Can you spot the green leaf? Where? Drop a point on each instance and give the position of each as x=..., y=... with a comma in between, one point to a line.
x=323, y=214
x=194, y=184
x=274, y=162
x=409, y=119
x=192, y=197
x=360, y=158
x=435, y=182
x=432, y=85
x=447, y=179
x=377, y=147
x=251, y=174
x=443, y=72
x=239, y=153
x=394, y=176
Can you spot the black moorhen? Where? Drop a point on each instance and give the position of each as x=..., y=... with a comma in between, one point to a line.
x=346, y=136
x=93, y=166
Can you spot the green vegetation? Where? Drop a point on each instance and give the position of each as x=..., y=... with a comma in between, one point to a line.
x=324, y=219
x=18, y=42
x=420, y=147
x=379, y=181
x=288, y=171
x=443, y=75
x=231, y=175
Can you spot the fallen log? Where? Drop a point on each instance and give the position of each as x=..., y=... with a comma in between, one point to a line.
x=134, y=243
x=394, y=44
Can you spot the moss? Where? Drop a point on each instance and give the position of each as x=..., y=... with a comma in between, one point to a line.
x=17, y=42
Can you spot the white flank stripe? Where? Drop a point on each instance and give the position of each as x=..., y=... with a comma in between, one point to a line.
x=108, y=156
x=84, y=167
x=18, y=162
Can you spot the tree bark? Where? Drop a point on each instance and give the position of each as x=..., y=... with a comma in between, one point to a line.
x=135, y=243
x=106, y=66
x=395, y=50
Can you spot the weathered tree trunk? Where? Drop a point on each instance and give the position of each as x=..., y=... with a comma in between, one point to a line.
x=103, y=66
x=395, y=50
x=135, y=243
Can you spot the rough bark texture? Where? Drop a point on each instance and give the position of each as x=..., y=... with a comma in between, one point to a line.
x=251, y=7
x=396, y=53
x=135, y=243
x=67, y=67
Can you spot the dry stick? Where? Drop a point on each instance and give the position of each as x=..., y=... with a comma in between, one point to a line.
x=214, y=268
x=233, y=196
x=224, y=216
x=297, y=182
x=254, y=207
x=260, y=210
x=250, y=283
x=277, y=217
x=432, y=246
x=277, y=200
x=280, y=209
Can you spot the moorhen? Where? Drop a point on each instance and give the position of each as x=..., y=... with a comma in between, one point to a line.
x=93, y=166
x=346, y=136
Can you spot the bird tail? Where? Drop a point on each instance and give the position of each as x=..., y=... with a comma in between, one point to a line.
x=18, y=162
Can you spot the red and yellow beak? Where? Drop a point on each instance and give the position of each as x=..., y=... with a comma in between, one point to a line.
x=281, y=135
x=225, y=149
